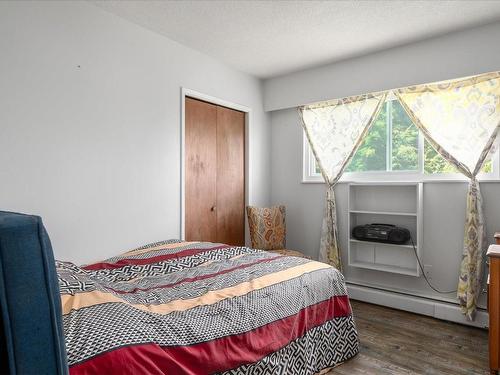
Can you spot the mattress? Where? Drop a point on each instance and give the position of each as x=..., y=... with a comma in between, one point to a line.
x=201, y=308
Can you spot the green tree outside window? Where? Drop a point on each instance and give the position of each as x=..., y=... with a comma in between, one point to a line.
x=391, y=144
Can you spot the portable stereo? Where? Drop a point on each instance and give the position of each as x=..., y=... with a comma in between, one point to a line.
x=387, y=233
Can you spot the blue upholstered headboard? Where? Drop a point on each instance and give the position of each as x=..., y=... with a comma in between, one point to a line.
x=31, y=333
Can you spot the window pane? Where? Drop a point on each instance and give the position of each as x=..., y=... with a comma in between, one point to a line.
x=487, y=166
x=404, y=140
x=435, y=163
x=371, y=155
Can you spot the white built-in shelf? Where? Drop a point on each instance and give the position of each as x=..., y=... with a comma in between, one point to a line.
x=386, y=268
x=410, y=246
x=383, y=213
x=389, y=203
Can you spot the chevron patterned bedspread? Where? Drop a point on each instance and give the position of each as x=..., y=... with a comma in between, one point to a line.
x=201, y=308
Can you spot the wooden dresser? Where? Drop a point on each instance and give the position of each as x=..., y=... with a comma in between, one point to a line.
x=494, y=304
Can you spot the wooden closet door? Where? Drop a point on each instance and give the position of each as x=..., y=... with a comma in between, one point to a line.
x=230, y=176
x=200, y=171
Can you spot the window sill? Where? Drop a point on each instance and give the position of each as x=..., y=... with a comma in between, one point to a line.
x=413, y=180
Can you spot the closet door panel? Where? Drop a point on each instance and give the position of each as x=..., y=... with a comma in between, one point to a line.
x=230, y=176
x=200, y=171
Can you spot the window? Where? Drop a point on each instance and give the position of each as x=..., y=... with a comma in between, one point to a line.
x=394, y=148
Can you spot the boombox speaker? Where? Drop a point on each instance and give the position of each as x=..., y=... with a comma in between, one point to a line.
x=386, y=233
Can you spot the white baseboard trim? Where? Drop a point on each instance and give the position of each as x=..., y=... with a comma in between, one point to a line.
x=418, y=305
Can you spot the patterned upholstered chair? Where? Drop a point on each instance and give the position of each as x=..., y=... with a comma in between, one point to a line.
x=268, y=230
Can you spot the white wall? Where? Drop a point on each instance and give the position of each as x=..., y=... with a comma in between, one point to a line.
x=90, y=125
x=450, y=56
x=464, y=53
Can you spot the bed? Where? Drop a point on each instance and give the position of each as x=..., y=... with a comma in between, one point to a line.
x=178, y=307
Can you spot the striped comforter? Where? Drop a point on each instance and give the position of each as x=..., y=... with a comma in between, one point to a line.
x=201, y=308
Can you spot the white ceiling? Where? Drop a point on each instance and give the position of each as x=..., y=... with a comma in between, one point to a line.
x=270, y=38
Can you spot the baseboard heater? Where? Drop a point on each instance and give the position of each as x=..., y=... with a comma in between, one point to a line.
x=416, y=304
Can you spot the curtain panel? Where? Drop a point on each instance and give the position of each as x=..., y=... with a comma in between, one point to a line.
x=461, y=119
x=335, y=129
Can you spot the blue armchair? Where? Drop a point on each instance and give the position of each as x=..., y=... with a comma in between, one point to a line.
x=31, y=332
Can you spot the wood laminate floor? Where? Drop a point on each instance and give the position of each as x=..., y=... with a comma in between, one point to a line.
x=398, y=342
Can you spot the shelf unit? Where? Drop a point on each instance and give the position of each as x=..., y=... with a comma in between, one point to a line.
x=398, y=203
x=384, y=213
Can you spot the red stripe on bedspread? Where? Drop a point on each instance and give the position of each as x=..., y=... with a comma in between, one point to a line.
x=217, y=355
x=197, y=278
x=159, y=258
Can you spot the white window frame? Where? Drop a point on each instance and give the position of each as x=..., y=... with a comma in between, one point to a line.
x=309, y=174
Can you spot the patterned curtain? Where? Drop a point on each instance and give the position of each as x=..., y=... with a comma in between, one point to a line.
x=461, y=119
x=335, y=130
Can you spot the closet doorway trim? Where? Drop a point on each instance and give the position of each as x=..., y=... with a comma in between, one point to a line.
x=185, y=92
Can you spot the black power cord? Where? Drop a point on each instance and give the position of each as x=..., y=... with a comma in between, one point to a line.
x=423, y=272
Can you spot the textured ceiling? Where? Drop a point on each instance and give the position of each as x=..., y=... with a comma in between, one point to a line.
x=270, y=38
